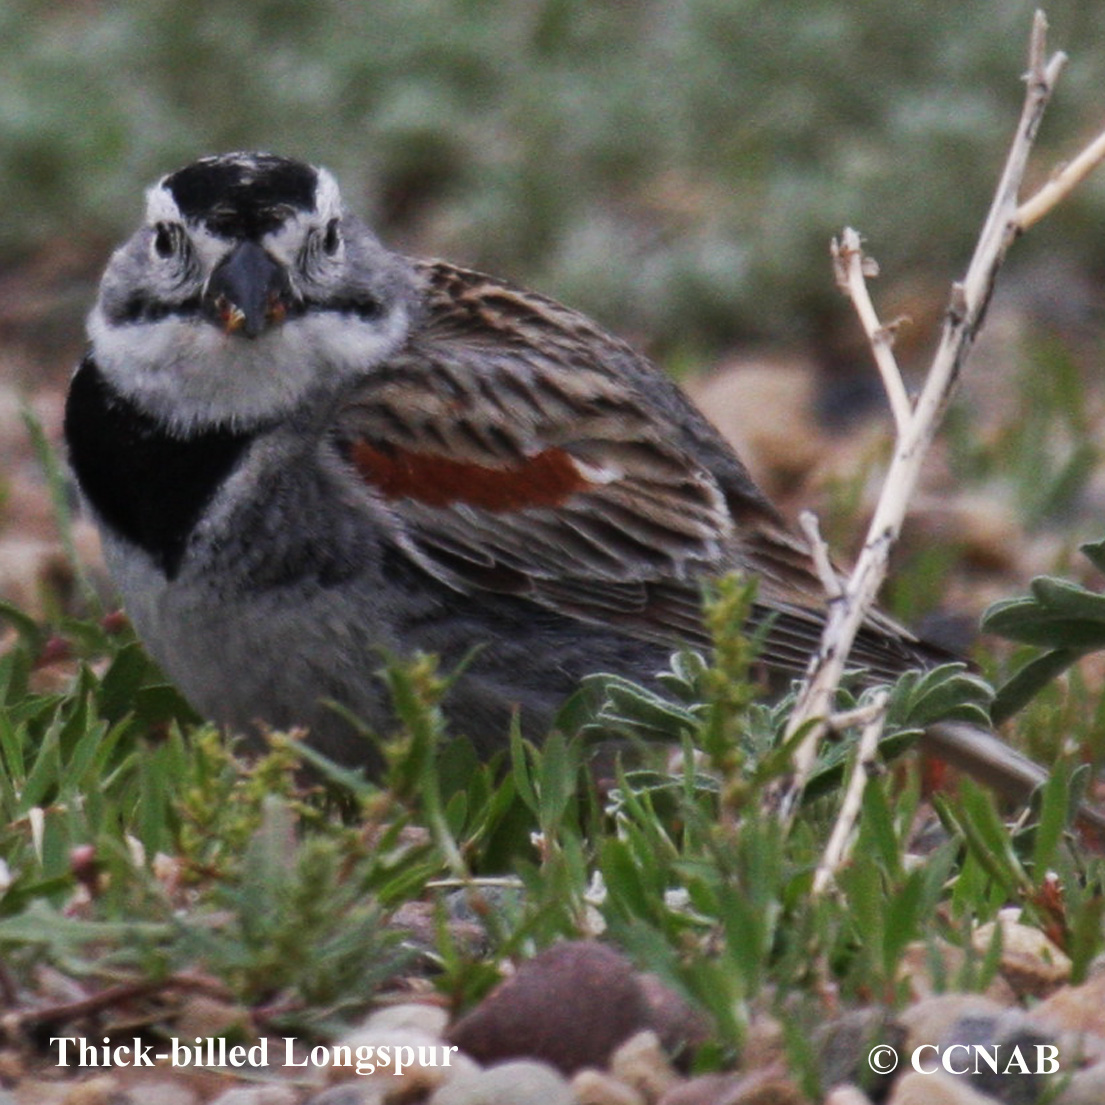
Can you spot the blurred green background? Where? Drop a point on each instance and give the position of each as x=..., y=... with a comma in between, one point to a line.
x=675, y=168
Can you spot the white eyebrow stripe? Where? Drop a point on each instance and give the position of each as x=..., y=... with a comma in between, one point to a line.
x=160, y=205
x=328, y=202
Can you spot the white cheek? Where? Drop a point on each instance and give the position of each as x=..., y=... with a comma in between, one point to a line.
x=189, y=373
x=344, y=344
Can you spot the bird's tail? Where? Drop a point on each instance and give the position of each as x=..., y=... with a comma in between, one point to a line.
x=986, y=757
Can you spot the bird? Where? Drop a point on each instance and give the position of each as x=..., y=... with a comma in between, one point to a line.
x=304, y=450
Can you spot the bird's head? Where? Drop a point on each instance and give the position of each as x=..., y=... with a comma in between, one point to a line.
x=247, y=285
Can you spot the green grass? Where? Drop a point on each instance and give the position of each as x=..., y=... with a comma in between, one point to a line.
x=141, y=847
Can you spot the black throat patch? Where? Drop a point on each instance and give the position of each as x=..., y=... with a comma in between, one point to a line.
x=143, y=482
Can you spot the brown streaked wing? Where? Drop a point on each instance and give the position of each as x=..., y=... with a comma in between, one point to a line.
x=501, y=436
x=513, y=454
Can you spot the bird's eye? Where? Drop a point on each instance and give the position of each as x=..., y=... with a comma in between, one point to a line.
x=332, y=239
x=164, y=240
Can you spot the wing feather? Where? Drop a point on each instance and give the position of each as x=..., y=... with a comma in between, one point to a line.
x=514, y=446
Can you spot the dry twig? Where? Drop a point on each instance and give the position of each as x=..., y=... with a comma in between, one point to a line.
x=822, y=561
x=840, y=839
x=917, y=423
x=62, y=1013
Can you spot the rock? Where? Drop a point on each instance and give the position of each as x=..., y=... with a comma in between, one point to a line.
x=102, y=1090
x=427, y=1019
x=1076, y=1008
x=33, y=1091
x=349, y=1093
x=521, y=1082
x=426, y=1061
x=929, y=965
x=780, y=450
x=1073, y=1014
x=268, y=1094
x=1030, y=962
x=202, y=1016
x=929, y=1021
x=1010, y=1040
x=681, y=1027
x=843, y=1044
x=707, y=1089
x=592, y=1087
x=418, y=922
x=1086, y=1087
x=641, y=1063
x=162, y=1092
x=570, y=1006
x=1014, y=1042
x=764, y=1043
x=765, y=1087
x=847, y=1095
x=13, y=1068
x=762, y=1087
x=935, y=1089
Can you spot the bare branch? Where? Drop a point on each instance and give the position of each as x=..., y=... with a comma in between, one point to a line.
x=820, y=551
x=1061, y=184
x=64, y=1012
x=857, y=715
x=966, y=309
x=843, y=834
x=852, y=269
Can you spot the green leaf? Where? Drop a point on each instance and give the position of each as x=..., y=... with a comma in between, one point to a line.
x=628, y=707
x=45, y=771
x=904, y=920
x=271, y=853
x=23, y=624
x=558, y=771
x=829, y=769
x=12, y=762
x=456, y=814
x=1055, y=813
x=352, y=780
x=1087, y=937
x=40, y=924
x=1063, y=617
x=685, y=677
x=748, y=930
x=160, y=703
x=1021, y=687
x=878, y=831
x=1094, y=551
x=946, y=693
x=622, y=877
x=991, y=961
x=989, y=840
x=1057, y=614
x=521, y=771
x=1062, y=597
x=121, y=681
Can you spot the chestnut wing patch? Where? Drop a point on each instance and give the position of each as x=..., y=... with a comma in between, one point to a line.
x=544, y=480
x=511, y=448
x=502, y=466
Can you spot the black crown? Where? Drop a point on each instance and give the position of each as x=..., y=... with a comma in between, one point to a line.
x=243, y=195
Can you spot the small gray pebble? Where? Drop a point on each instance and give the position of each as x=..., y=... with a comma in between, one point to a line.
x=428, y=1019
x=349, y=1094
x=520, y=1082
x=258, y=1095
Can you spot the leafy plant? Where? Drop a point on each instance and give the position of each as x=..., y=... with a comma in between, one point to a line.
x=1063, y=618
